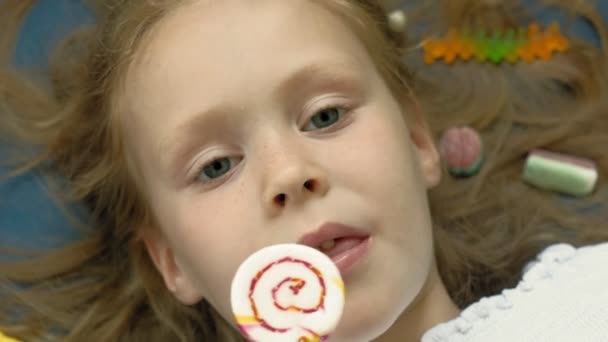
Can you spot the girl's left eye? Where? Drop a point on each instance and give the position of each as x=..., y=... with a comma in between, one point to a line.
x=325, y=118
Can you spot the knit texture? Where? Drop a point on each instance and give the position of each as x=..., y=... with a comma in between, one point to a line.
x=562, y=297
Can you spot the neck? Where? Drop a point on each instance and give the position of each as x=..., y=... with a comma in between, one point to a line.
x=431, y=307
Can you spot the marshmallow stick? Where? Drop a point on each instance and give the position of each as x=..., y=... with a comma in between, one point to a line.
x=562, y=173
x=287, y=293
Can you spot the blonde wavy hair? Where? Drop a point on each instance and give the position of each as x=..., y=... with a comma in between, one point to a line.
x=104, y=287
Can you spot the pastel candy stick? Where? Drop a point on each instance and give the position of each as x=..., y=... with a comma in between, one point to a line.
x=561, y=173
x=287, y=293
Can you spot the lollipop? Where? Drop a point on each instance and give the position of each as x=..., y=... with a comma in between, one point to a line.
x=287, y=293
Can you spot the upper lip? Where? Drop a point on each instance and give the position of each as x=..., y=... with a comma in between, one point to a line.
x=330, y=231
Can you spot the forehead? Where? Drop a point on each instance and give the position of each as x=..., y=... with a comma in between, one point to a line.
x=230, y=40
x=230, y=53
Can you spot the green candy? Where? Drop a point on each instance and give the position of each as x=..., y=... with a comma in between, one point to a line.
x=481, y=46
x=550, y=171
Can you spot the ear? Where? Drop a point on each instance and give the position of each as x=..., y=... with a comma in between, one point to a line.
x=428, y=155
x=176, y=280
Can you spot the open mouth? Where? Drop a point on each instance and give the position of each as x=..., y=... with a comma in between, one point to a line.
x=345, y=252
x=335, y=247
x=344, y=245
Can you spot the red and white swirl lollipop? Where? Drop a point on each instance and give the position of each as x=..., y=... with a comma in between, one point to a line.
x=287, y=293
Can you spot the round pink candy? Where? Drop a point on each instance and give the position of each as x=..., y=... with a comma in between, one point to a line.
x=460, y=147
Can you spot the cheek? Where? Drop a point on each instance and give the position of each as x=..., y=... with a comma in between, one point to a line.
x=387, y=174
x=209, y=240
x=381, y=159
x=382, y=170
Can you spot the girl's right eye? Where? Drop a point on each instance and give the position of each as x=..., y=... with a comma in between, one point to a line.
x=216, y=169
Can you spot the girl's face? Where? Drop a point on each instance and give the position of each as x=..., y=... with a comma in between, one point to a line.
x=255, y=123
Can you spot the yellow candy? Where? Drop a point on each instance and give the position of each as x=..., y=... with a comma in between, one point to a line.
x=4, y=338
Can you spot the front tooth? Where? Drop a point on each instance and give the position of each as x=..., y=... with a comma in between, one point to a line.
x=327, y=245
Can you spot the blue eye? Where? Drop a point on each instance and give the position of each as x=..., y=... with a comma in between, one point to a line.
x=325, y=118
x=216, y=168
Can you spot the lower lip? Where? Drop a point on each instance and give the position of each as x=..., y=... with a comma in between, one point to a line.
x=346, y=260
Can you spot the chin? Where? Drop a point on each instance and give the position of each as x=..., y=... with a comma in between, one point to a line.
x=372, y=311
x=360, y=333
x=359, y=326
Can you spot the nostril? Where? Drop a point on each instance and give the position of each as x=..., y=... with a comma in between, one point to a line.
x=280, y=199
x=309, y=185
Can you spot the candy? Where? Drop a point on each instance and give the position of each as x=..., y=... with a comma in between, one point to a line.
x=4, y=338
x=287, y=293
x=561, y=173
x=462, y=150
x=511, y=44
x=397, y=21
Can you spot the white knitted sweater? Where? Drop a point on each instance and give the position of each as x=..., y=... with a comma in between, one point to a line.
x=563, y=297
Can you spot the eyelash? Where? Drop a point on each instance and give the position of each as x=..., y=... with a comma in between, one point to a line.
x=200, y=169
x=345, y=111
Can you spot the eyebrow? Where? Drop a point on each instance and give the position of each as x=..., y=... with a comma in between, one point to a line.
x=318, y=76
x=328, y=75
x=176, y=148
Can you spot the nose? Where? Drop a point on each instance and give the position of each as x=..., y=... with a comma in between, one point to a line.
x=292, y=181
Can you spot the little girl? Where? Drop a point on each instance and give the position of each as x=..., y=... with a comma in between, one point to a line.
x=198, y=132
